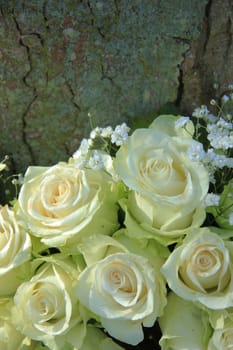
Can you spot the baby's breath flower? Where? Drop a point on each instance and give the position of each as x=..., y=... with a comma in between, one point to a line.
x=213, y=102
x=201, y=112
x=220, y=134
x=225, y=98
x=196, y=152
x=95, y=132
x=95, y=162
x=106, y=132
x=211, y=199
x=120, y=134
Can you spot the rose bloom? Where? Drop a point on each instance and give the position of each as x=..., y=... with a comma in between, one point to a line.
x=125, y=292
x=166, y=186
x=200, y=269
x=15, y=252
x=184, y=325
x=46, y=308
x=62, y=202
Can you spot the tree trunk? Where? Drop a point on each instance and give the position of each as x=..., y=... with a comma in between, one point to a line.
x=114, y=60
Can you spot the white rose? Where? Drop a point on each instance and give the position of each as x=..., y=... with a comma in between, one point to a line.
x=184, y=326
x=201, y=270
x=63, y=202
x=46, y=308
x=166, y=186
x=124, y=291
x=15, y=252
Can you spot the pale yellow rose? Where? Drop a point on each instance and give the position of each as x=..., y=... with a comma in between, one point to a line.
x=184, y=325
x=123, y=289
x=46, y=308
x=166, y=187
x=62, y=203
x=15, y=252
x=201, y=269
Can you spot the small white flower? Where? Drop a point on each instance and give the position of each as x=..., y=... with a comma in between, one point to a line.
x=213, y=102
x=211, y=199
x=196, y=152
x=95, y=161
x=106, y=132
x=201, y=112
x=120, y=134
x=84, y=146
x=95, y=132
x=225, y=98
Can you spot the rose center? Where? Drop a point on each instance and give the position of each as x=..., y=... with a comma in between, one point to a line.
x=58, y=192
x=121, y=281
x=206, y=270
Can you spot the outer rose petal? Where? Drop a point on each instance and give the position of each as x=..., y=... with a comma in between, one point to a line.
x=184, y=326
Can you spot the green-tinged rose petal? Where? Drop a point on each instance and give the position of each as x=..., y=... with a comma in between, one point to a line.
x=96, y=339
x=96, y=247
x=222, y=323
x=166, y=124
x=143, y=230
x=184, y=326
x=127, y=331
x=15, y=252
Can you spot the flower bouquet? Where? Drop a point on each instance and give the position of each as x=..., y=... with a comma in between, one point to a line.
x=127, y=245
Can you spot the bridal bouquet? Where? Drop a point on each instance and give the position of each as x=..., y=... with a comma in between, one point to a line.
x=134, y=230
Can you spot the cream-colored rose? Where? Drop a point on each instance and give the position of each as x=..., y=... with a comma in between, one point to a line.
x=166, y=186
x=63, y=202
x=15, y=252
x=124, y=291
x=46, y=308
x=201, y=269
x=184, y=325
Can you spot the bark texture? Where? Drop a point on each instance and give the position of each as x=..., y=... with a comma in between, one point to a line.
x=116, y=60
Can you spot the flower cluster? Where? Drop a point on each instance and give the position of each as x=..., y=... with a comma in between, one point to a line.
x=133, y=230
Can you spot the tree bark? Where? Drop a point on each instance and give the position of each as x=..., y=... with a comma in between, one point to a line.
x=115, y=60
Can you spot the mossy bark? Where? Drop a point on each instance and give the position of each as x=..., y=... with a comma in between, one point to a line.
x=115, y=60
x=64, y=60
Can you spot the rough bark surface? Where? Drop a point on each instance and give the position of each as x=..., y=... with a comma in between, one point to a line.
x=63, y=60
